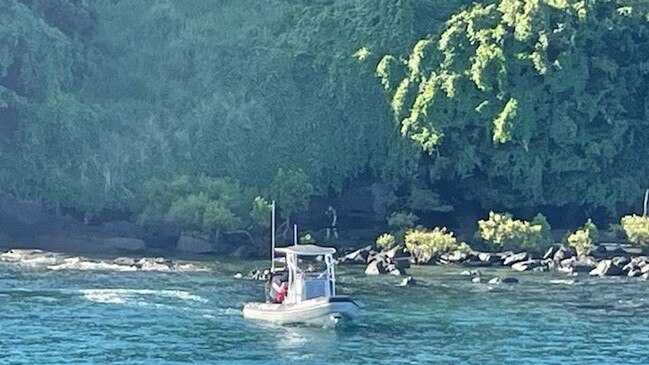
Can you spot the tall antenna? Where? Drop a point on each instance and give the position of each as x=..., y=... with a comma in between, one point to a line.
x=272, y=239
x=646, y=197
x=295, y=234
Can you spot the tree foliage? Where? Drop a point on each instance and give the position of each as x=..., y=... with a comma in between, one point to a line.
x=535, y=102
x=291, y=190
x=514, y=103
x=207, y=206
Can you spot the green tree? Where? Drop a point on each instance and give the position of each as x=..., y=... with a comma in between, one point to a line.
x=291, y=190
x=535, y=102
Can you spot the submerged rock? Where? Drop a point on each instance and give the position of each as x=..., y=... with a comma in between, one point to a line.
x=238, y=276
x=470, y=272
x=509, y=280
x=408, y=281
x=494, y=280
x=476, y=280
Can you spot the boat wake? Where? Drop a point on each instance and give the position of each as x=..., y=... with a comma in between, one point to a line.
x=38, y=259
x=142, y=297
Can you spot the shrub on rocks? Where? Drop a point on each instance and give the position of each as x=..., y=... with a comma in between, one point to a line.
x=584, y=238
x=386, y=241
x=502, y=231
x=636, y=229
x=426, y=245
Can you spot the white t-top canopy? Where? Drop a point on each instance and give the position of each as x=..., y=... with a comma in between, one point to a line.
x=306, y=250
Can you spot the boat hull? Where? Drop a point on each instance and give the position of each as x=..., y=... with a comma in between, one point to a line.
x=318, y=311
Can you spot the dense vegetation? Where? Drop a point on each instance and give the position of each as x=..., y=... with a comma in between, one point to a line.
x=203, y=111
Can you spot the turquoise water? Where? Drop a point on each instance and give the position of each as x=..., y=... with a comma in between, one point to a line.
x=90, y=312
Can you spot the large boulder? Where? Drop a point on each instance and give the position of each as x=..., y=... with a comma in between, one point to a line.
x=397, y=252
x=644, y=268
x=125, y=244
x=481, y=259
x=454, y=257
x=551, y=252
x=514, y=258
x=375, y=267
x=526, y=265
x=564, y=252
x=606, y=268
x=357, y=257
x=577, y=264
x=193, y=245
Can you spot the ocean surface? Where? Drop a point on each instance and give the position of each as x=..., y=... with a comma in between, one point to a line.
x=72, y=310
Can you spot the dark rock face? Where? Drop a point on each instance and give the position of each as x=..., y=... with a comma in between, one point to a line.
x=125, y=244
x=244, y=252
x=193, y=245
x=123, y=229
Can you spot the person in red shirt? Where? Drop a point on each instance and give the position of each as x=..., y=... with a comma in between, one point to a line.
x=281, y=292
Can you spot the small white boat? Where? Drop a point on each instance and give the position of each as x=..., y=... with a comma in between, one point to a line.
x=311, y=297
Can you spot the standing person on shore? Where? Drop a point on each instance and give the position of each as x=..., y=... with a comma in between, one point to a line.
x=332, y=229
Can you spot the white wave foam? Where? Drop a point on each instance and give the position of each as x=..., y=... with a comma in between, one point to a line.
x=77, y=263
x=30, y=258
x=142, y=297
x=562, y=281
x=39, y=259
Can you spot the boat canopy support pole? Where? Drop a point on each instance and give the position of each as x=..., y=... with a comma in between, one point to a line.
x=272, y=239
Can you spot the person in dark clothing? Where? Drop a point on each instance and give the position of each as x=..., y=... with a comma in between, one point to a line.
x=331, y=213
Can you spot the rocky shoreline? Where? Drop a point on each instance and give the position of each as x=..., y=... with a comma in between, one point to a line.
x=610, y=259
